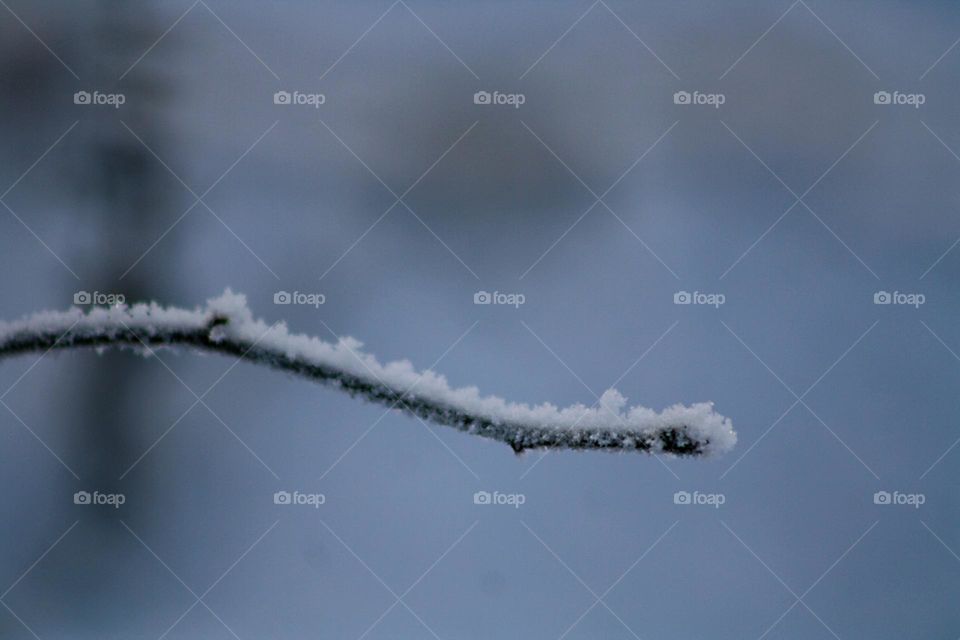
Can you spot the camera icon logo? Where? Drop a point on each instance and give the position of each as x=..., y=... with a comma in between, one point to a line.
x=881, y=497
x=882, y=297
x=282, y=497
x=482, y=497
x=81, y=97
x=482, y=97
x=881, y=97
x=681, y=97
x=681, y=497
x=482, y=297
x=82, y=297
x=682, y=297
x=282, y=297
x=281, y=97
x=81, y=497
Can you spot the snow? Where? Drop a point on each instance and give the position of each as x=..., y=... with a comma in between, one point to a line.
x=226, y=324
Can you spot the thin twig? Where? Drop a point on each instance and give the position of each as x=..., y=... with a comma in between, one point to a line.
x=226, y=326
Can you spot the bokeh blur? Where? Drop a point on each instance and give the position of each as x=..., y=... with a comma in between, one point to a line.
x=750, y=203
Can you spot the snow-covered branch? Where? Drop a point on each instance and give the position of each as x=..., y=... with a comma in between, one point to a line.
x=227, y=326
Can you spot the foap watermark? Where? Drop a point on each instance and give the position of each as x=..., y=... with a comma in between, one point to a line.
x=700, y=298
x=297, y=297
x=900, y=298
x=114, y=100
x=901, y=499
x=299, y=98
x=514, y=500
x=510, y=99
x=699, y=499
x=707, y=99
x=111, y=499
x=98, y=297
x=300, y=499
x=899, y=98
x=497, y=297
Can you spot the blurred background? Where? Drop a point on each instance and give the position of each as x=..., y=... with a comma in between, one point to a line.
x=167, y=151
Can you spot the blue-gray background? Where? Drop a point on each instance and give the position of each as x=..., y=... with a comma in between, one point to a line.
x=797, y=550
